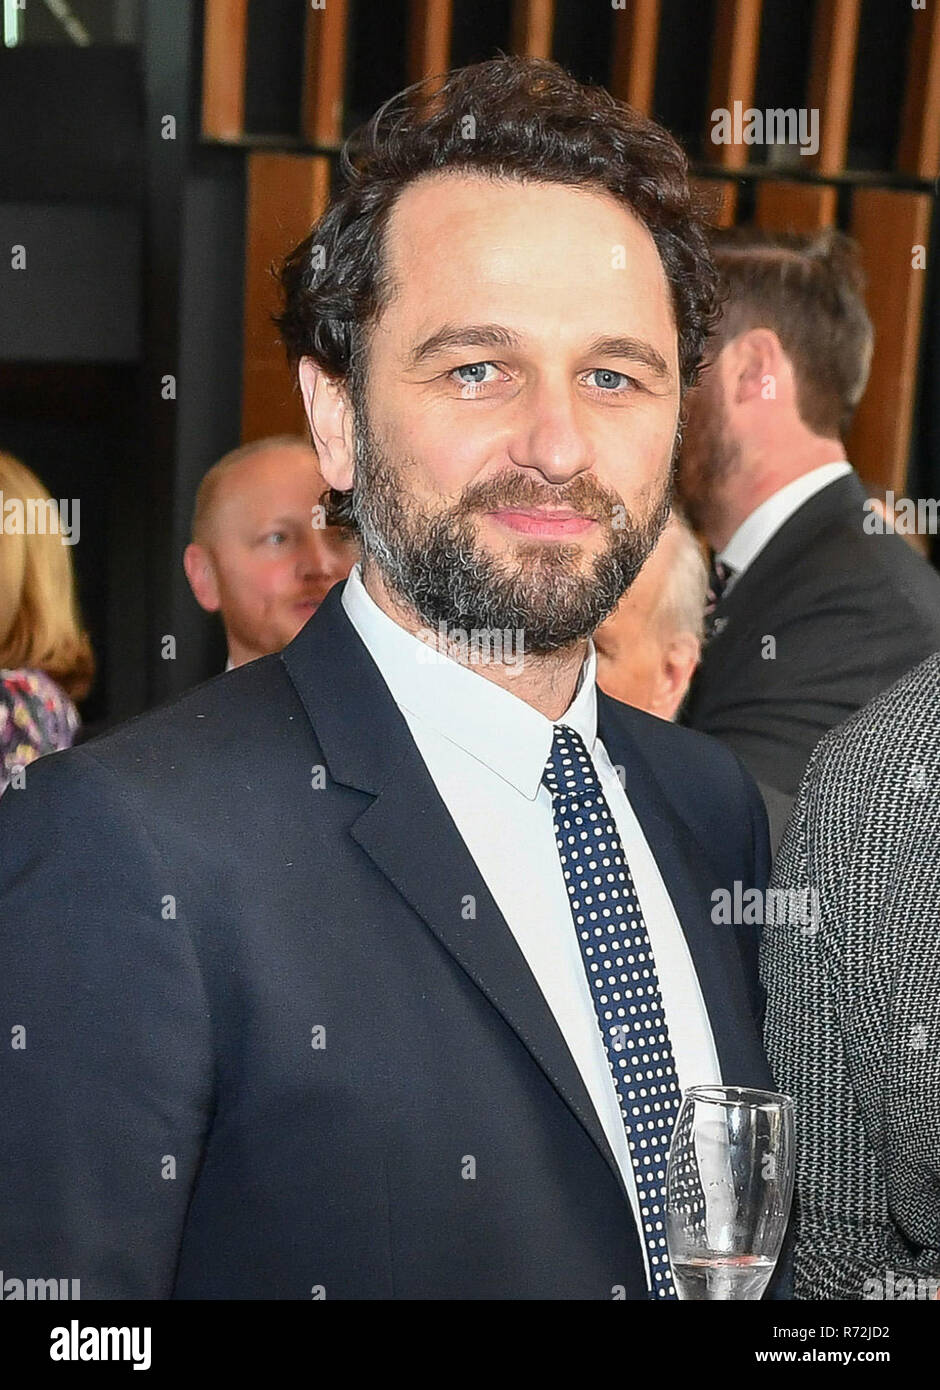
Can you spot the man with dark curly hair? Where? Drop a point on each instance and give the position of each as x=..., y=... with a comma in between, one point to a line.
x=385, y=983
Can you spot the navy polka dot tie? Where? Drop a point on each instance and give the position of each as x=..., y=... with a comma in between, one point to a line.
x=621, y=971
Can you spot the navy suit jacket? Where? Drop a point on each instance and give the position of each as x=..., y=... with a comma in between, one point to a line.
x=268, y=1052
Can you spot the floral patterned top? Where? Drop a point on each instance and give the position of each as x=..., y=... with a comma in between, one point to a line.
x=36, y=717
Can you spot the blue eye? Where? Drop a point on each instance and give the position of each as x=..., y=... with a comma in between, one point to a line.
x=475, y=373
x=608, y=380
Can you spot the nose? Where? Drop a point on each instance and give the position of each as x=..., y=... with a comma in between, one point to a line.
x=551, y=437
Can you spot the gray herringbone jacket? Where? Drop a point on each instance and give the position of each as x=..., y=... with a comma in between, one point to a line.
x=853, y=1019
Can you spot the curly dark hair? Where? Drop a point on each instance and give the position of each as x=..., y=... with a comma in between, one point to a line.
x=510, y=118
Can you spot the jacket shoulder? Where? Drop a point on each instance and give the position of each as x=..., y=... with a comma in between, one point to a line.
x=216, y=724
x=671, y=746
x=889, y=735
x=838, y=554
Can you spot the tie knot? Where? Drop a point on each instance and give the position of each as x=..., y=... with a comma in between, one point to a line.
x=719, y=577
x=570, y=772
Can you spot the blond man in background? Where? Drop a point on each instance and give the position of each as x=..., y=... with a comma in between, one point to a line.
x=261, y=554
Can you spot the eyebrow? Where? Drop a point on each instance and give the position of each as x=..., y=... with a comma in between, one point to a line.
x=494, y=335
x=453, y=335
x=634, y=350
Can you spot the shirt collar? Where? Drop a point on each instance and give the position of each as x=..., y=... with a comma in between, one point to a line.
x=485, y=720
x=766, y=520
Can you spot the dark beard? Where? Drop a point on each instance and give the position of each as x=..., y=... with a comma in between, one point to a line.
x=434, y=563
x=710, y=459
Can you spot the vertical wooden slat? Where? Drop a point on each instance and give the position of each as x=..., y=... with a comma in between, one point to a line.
x=224, y=60
x=533, y=23
x=430, y=26
x=325, y=33
x=832, y=79
x=734, y=69
x=887, y=225
x=784, y=204
x=636, y=40
x=919, y=148
x=733, y=78
x=286, y=195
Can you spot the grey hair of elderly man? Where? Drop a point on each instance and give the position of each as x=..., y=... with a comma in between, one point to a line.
x=649, y=647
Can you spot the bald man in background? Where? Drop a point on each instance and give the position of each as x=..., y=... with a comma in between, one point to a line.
x=649, y=647
x=261, y=555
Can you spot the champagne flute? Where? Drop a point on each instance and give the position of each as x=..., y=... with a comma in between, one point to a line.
x=729, y=1184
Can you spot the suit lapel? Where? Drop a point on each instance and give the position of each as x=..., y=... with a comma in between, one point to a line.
x=742, y=610
x=689, y=879
x=432, y=869
x=411, y=838
x=795, y=538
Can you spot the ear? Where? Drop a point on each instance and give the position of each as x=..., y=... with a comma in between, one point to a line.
x=758, y=362
x=329, y=415
x=680, y=658
x=200, y=572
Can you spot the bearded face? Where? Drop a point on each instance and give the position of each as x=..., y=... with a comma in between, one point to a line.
x=507, y=435
x=438, y=562
x=709, y=453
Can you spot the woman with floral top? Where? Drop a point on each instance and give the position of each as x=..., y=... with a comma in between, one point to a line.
x=46, y=660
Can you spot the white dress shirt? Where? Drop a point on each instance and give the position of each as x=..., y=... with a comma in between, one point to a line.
x=766, y=520
x=486, y=750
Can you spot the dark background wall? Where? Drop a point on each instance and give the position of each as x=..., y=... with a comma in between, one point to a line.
x=134, y=270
